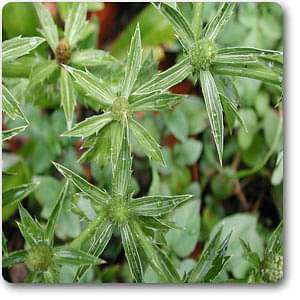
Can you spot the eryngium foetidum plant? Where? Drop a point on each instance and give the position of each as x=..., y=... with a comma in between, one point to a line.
x=65, y=51
x=42, y=259
x=203, y=60
x=135, y=218
x=123, y=104
x=12, y=50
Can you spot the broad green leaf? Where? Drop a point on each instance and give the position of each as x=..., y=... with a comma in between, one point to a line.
x=240, y=225
x=93, y=240
x=40, y=73
x=133, y=63
x=181, y=26
x=18, y=46
x=67, y=95
x=216, y=25
x=156, y=206
x=90, y=125
x=28, y=226
x=49, y=29
x=95, y=194
x=166, y=79
x=49, y=231
x=154, y=102
x=147, y=142
x=10, y=104
x=214, y=109
x=63, y=255
x=91, y=58
x=75, y=22
x=7, y=134
x=258, y=72
x=92, y=86
x=182, y=241
x=18, y=193
x=270, y=124
x=122, y=170
x=129, y=242
x=188, y=152
x=14, y=258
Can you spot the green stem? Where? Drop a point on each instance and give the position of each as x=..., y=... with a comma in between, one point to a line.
x=258, y=167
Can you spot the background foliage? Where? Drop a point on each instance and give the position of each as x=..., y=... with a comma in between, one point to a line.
x=250, y=206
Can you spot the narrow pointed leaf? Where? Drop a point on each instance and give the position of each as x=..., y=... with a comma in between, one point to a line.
x=258, y=72
x=94, y=240
x=161, y=268
x=49, y=29
x=99, y=196
x=11, y=105
x=133, y=63
x=156, y=206
x=67, y=95
x=116, y=139
x=63, y=255
x=49, y=231
x=197, y=20
x=147, y=142
x=251, y=256
x=92, y=86
x=7, y=134
x=219, y=21
x=90, y=125
x=18, y=46
x=181, y=26
x=14, y=258
x=231, y=113
x=214, y=109
x=40, y=73
x=91, y=58
x=166, y=79
x=16, y=194
x=32, y=228
x=75, y=22
x=129, y=242
x=122, y=170
x=154, y=102
x=52, y=275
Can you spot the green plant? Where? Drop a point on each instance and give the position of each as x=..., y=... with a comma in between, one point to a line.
x=160, y=233
x=202, y=59
x=42, y=259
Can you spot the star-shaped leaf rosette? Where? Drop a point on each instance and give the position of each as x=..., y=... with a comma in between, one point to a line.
x=207, y=63
x=65, y=51
x=134, y=218
x=133, y=95
x=41, y=257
